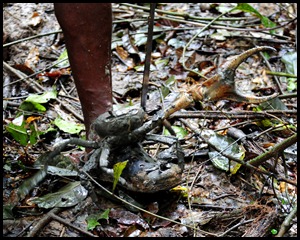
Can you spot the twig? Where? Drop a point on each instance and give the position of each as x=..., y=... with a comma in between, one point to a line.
x=263, y=30
x=31, y=75
x=281, y=74
x=235, y=226
x=288, y=95
x=77, y=115
x=230, y=115
x=278, y=148
x=148, y=57
x=43, y=221
x=30, y=38
x=38, y=88
x=287, y=222
x=186, y=15
x=66, y=222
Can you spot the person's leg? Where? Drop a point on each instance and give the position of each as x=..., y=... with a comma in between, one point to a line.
x=87, y=29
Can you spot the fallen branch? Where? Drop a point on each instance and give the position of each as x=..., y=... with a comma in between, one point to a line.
x=277, y=149
x=287, y=222
x=229, y=115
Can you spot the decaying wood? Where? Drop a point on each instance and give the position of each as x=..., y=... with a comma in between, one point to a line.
x=262, y=226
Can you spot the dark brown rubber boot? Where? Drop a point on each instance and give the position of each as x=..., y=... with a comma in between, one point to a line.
x=87, y=29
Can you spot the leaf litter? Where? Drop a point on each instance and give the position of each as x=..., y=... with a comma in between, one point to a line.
x=207, y=192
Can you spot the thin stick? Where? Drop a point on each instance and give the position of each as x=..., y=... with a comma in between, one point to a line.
x=148, y=57
x=30, y=38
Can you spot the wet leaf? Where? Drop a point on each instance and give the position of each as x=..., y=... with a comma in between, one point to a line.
x=165, y=89
x=65, y=63
x=226, y=145
x=19, y=133
x=118, y=169
x=174, y=42
x=67, y=196
x=68, y=127
x=224, y=7
x=290, y=61
x=128, y=218
x=31, y=106
x=33, y=137
x=140, y=68
x=92, y=220
x=221, y=34
x=31, y=183
x=141, y=38
x=7, y=211
x=272, y=104
x=42, y=98
x=180, y=132
x=34, y=100
x=292, y=85
x=161, y=63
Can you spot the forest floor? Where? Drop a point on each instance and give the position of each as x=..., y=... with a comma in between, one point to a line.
x=217, y=197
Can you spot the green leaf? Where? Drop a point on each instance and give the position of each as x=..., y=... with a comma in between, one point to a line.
x=19, y=133
x=169, y=82
x=180, y=132
x=165, y=91
x=27, y=106
x=42, y=98
x=245, y=7
x=8, y=211
x=68, y=127
x=63, y=64
x=267, y=123
x=92, y=220
x=92, y=223
x=118, y=169
x=291, y=84
x=141, y=38
x=33, y=135
x=33, y=100
x=161, y=63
